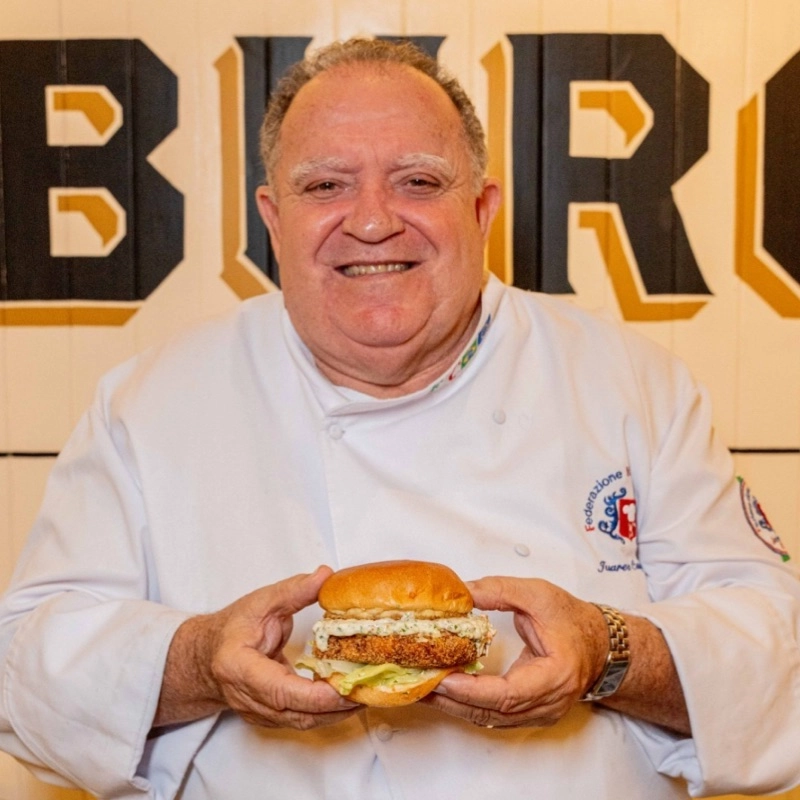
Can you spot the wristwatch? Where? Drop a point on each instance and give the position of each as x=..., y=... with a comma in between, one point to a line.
x=618, y=659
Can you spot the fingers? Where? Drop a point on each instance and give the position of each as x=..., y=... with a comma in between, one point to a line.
x=268, y=693
x=234, y=657
x=250, y=669
x=490, y=692
x=500, y=702
x=551, y=621
x=551, y=673
x=543, y=717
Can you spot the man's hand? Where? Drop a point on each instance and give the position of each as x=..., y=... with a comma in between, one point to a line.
x=233, y=659
x=565, y=647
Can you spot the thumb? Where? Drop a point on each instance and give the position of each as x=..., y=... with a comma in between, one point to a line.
x=282, y=601
x=293, y=594
x=500, y=593
x=491, y=594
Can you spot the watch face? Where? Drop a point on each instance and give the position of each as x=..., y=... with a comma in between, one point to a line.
x=615, y=673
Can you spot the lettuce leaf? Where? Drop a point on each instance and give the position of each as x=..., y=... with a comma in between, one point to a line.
x=383, y=676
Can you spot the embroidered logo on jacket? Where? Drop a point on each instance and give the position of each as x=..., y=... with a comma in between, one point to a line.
x=758, y=521
x=610, y=508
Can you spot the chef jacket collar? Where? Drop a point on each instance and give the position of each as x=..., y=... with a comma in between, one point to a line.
x=338, y=400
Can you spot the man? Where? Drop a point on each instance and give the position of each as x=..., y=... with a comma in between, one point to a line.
x=394, y=402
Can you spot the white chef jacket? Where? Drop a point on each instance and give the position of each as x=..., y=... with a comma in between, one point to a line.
x=559, y=446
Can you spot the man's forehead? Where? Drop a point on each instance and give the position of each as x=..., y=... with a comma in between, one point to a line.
x=353, y=84
x=348, y=115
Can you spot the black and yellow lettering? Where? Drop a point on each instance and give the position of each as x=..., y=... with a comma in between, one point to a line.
x=59, y=180
x=663, y=118
x=767, y=259
x=248, y=72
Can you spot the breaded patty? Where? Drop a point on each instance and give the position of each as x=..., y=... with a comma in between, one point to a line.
x=446, y=650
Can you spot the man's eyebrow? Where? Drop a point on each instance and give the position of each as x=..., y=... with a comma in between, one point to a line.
x=301, y=172
x=426, y=161
x=305, y=169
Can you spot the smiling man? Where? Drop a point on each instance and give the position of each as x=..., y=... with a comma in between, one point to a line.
x=378, y=213
x=395, y=401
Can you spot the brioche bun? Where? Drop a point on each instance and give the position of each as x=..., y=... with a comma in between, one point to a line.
x=396, y=586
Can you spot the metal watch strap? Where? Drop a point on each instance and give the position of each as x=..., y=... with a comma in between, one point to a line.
x=618, y=659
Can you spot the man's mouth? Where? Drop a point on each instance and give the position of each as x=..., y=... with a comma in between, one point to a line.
x=356, y=270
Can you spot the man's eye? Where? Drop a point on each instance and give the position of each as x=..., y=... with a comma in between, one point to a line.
x=322, y=187
x=421, y=184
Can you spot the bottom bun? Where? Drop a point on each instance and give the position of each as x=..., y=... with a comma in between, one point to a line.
x=389, y=697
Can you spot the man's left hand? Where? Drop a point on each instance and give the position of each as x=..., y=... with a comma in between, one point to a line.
x=565, y=647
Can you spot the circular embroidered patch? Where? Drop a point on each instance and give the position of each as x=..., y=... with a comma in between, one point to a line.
x=758, y=521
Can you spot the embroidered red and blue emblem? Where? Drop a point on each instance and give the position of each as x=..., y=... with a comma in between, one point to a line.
x=610, y=508
x=758, y=521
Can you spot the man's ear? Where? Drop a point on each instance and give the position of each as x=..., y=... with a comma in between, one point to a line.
x=268, y=210
x=487, y=204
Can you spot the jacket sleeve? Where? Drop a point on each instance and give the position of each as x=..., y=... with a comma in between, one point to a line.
x=727, y=600
x=83, y=638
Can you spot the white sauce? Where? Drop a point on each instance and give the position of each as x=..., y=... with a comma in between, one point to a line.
x=474, y=627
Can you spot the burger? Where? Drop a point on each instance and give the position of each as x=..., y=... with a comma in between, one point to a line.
x=393, y=630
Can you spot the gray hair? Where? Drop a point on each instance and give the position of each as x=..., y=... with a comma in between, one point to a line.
x=369, y=51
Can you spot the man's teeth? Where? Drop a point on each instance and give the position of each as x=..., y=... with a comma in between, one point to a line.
x=374, y=269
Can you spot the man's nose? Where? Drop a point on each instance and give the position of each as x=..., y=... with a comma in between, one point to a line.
x=372, y=216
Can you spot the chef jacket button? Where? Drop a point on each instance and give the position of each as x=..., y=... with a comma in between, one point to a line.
x=499, y=416
x=384, y=731
x=522, y=549
x=335, y=431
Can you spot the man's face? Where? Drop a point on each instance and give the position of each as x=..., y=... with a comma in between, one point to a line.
x=377, y=227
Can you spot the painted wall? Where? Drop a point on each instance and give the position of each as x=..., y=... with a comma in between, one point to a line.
x=649, y=150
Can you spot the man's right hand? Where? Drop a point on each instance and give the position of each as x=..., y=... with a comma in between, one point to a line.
x=233, y=659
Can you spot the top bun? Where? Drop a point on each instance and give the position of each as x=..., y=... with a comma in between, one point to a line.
x=396, y=586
